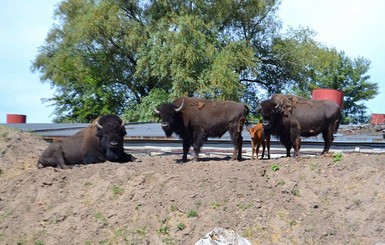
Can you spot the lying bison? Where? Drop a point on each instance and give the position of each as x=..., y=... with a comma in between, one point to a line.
x=194, y=120
x=99, y=142
x=289, y=117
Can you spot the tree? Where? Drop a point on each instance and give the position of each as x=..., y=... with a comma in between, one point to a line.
x=106, y=56
x=311, y=65
x=126, y=57
x=90, y=58
x=323, y=67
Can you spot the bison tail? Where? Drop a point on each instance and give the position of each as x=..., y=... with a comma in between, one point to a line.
x=241, y=123
x=336, y=125
x=247, y=110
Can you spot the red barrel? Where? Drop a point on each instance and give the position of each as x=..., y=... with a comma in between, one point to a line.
x=377, y=119
x=329, y=94
x=16, y=118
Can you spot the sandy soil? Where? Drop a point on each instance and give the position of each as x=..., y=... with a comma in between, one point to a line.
x=336, y=199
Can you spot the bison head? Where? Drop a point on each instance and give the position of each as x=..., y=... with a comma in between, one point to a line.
x=275, y=109
x=110, y=131
x=271, y=110
x=169, y=113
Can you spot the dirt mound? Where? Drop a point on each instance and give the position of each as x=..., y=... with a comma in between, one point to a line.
x=19, y=150
x=336, y=199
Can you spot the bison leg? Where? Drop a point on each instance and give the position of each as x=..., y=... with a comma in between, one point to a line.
x=297, y=146
x=93, y=157
x=288, y=148
x=263, y=149
x=198, y=138
x=252, y=153
x=236, y=136
x=128, y=158
x=286, y=142
x=53, y=158
x=240, y=140
x=186, y=148
x=258, y=146
x=252, y=149
x=237, y=141
x=327, y=134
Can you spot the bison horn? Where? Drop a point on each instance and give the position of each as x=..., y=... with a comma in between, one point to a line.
x=278, y=102
x=98, y=125
x=123, y=124
x=180, y=107
x=156, y=111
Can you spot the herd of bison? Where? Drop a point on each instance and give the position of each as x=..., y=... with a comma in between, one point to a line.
x=194, y=120
x=332, y=198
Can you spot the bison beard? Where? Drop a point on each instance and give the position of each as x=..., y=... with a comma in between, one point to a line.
x=101, y=141
x=194, y=120
x=289, y=117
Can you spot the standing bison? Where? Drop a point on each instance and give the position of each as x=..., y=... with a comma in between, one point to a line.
x=194, y=120
x=259, y=138
x=289, y=117
x=99, y=142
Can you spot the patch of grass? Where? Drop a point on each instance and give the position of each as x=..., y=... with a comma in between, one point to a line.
x=275, y=167
x=180, y=226
x=293, y=223
x=173, y=208
x=215, y=205
x=88, y=184
x=164, y=220
x=99, y=217
x=117, y=191
x=337, y=157
x=198, y=203
x=296, y=192
x=253, y=231
x=192, y=213
x=103, y=242
x=141, y=232
x=281, y=182
x=164, y=230
x=243, y=206
x=138, y=206
x=4, y=134
x=357, y=202
x=38, y=243
x=168, y=240
x=313, y=166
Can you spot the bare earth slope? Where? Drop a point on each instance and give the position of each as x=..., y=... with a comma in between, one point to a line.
x=308, y=200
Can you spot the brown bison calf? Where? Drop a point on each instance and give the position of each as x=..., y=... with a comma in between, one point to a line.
x=259, y=138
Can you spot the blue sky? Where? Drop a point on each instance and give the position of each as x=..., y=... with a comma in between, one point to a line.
x=356, y=27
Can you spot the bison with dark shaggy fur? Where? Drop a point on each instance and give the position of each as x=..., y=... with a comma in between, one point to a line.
x=99, y=142
x=289, y=117
x=194, y=120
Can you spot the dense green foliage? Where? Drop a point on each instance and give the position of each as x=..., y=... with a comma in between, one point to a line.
x=126, y=57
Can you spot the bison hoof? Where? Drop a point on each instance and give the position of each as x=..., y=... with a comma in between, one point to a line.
x=134, y=159
x=181, y=161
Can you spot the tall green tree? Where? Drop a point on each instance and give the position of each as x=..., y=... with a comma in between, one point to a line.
x=323, y=67
x=126, y=57
x=106, y=56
